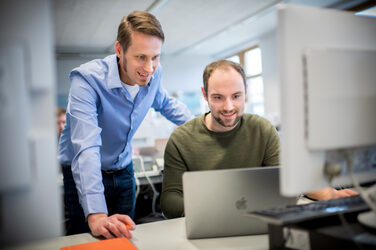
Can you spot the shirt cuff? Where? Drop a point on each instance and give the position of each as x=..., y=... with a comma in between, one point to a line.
x=94, y=203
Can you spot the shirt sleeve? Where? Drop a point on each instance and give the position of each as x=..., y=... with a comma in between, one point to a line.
x=86, y=141
x=272, y=148
x=174, y=110
x=172, y=203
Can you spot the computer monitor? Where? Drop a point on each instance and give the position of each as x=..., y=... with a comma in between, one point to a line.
x=30, y=199
x=327, y=67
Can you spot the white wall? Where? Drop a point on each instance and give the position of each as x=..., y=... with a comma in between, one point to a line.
x=184, y=72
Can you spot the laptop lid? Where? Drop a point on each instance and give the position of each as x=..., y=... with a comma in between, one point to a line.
x=215, y=201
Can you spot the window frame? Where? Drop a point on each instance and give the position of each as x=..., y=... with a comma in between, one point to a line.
x=241, y=55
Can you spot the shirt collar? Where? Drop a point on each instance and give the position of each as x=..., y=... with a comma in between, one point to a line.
x=113, y=78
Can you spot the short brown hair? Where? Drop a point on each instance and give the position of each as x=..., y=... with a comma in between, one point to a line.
x=138, y=21
x=60, y=111
x=223, y=64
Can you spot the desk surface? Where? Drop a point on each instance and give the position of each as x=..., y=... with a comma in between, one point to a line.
x=166, y=235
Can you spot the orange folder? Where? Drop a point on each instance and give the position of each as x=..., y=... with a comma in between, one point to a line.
x=113, y=244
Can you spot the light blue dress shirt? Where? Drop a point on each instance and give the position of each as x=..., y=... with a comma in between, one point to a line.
x=101, y=120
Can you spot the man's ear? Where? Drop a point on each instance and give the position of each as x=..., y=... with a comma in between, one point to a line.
x=204, y=93
x=118, y=49
x=246, y=93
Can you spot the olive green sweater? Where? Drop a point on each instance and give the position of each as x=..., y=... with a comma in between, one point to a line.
x=254, y=142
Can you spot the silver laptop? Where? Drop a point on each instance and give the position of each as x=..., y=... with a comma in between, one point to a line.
x=215, y=201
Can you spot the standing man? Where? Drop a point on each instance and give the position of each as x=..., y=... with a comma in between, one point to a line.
x=108, y=100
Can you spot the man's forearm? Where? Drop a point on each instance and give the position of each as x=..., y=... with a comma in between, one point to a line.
x=172, y=204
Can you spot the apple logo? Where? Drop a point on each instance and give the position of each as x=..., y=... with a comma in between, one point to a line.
x=241, y=204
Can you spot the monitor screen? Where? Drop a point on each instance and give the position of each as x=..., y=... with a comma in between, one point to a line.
x=327, y=62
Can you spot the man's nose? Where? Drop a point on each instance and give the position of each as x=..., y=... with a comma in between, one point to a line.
x=148, y=67
x=228, y=104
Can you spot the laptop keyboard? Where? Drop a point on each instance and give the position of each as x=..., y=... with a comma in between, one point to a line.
x=317, y=209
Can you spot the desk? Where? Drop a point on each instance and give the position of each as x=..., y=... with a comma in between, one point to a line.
x=166, y=235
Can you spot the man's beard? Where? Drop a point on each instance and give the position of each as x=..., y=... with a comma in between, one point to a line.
x=220, y=121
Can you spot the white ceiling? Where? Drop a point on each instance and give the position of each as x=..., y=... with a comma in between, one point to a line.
x=190, y=26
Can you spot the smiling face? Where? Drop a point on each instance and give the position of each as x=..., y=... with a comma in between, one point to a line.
x=139, y=62
x=226, y=97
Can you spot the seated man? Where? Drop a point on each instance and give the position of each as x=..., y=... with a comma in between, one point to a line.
x=223, y=138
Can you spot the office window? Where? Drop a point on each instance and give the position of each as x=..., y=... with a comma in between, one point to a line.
x=253, y=70
x=251, y=61
x=234, y=58
x=253, y=65
x=256, y=95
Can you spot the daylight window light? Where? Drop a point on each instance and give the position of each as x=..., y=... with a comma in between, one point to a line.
x=371, y=12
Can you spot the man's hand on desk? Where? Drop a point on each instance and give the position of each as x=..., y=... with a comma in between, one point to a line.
x=114, y=226
x=330, y=193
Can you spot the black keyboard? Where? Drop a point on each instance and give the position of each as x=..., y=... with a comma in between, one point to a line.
x=317, y=209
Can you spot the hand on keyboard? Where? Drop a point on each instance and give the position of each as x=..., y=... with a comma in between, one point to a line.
x=317, y=209
x=330, y=193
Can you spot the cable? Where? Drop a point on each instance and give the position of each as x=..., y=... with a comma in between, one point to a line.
x=137, y=186
x=155, y=192
x=286, y=237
